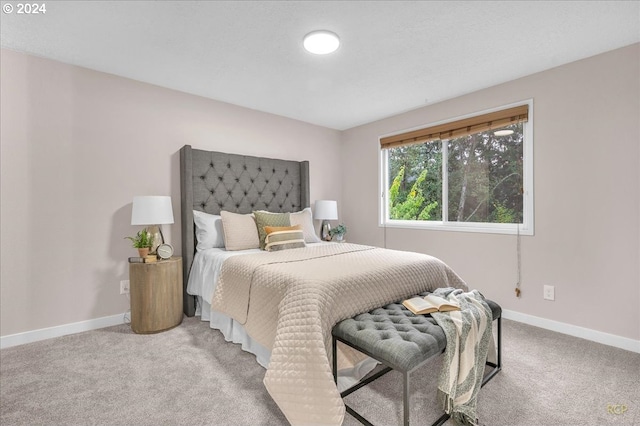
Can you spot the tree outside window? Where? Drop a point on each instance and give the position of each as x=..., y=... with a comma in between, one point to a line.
x=475, y=178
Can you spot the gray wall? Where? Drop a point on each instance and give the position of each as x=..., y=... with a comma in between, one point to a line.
x=77, y=145
x=586, y=188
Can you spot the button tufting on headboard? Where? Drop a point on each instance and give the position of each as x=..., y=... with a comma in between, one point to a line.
x=212, y=181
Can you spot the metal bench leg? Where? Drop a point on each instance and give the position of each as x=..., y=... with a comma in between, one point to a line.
x=498, y=365
x=358, y=417
x=405, y=395
x=334, y=349
x=442, y=420
x=500, y=342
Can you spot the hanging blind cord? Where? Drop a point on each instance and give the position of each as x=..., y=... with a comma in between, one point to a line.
x=519, y=259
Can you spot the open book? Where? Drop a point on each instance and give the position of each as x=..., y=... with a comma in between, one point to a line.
x=430, y=303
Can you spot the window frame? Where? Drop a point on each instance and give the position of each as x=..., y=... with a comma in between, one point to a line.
x=524, y=228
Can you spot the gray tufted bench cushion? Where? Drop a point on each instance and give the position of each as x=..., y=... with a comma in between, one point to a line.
x=401, y=341
x=395, y=335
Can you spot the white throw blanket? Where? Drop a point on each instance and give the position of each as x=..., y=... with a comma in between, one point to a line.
x=469, y=337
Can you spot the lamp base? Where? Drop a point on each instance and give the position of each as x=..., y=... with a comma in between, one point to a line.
x=158, y=239
x=325, y=235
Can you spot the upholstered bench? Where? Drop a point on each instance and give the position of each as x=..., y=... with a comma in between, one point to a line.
x=401, y=341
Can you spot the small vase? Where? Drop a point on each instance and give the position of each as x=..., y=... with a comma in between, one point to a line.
x=143, y=252
x=339, y=237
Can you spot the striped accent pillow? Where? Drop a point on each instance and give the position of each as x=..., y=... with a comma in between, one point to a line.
x=283, y=237
x=264, y=218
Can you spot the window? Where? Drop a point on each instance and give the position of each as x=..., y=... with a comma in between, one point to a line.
x=472, y=173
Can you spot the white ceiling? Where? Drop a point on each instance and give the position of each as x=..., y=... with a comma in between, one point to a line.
x=395, y=56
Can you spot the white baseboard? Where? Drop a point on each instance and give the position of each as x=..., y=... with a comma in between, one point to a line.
x=560, y=327
x=574, y=330
x=58, y=331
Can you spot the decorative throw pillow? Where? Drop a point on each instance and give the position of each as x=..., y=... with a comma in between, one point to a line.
x=284, y=237
x=272, y=229
x=209, y=231
x=240, y=232
x=264, y=218
x=304, y=218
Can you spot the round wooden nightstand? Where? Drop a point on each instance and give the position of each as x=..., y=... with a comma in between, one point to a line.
x=156, y=295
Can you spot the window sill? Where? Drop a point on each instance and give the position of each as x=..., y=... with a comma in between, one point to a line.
x=486, y=228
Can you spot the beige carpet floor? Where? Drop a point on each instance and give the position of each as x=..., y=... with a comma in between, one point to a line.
x=191, y=376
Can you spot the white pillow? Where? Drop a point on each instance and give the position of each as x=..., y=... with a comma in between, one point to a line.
x=209, y=231
x=240, y=231
x=304, y=218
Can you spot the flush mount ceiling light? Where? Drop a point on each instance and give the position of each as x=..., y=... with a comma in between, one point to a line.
x=503, y=132
x=321, y=42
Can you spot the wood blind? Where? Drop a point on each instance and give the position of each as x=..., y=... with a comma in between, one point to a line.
x=459, y=128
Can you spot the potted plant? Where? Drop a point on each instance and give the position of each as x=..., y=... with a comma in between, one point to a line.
x=143, y=241
x=338, y=232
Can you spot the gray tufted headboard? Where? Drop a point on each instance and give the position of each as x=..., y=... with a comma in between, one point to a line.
x=213, y=181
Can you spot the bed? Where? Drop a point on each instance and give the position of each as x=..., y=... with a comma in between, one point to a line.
x=281, y=305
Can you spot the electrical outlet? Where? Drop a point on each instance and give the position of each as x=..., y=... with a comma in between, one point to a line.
x=549, y=292
x=124, y=287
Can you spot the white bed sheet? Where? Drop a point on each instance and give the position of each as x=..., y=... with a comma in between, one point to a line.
x=205, y=270
x=203, y=278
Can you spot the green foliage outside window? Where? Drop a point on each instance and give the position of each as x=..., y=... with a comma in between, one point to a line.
x=484, y=174
x=414, y=205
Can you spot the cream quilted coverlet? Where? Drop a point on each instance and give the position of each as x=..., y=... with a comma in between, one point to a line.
x=290, y=300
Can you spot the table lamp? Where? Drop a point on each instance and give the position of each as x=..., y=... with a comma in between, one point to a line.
x=152, y=210
x=326, y=210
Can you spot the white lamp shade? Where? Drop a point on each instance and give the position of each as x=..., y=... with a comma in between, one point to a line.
x=326, y=210
x=151, y=210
